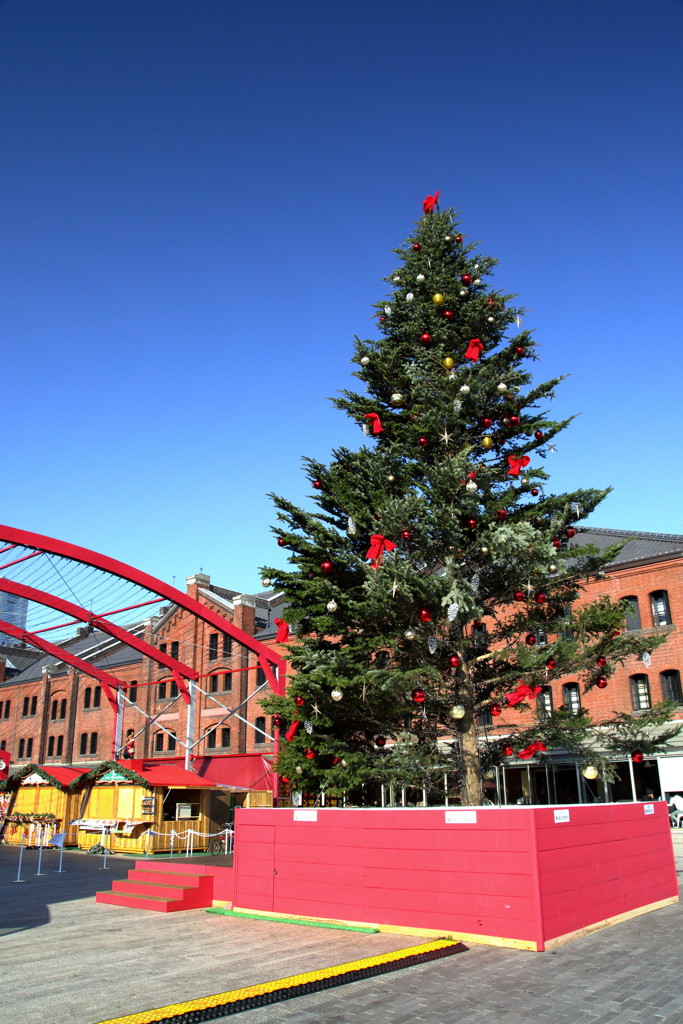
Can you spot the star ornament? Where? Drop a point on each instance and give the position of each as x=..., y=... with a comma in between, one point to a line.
x=315, y=709
x=446, y=437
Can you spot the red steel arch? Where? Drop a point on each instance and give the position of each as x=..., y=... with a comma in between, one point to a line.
x=273, y=664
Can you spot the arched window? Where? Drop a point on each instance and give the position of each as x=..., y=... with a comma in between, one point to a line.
x=29, y=746
x=571, y=697
x=159, y=742
x=34, y=705
x=260, y=727
x=133, y=691
x=544, y=703
x=175, y=647
x=225, y=737
x=93, y=742
x=661, y=613
x=632, y=612
x=671, y=685
x=7, y=707
x=50, y=746
x=60, y=745
x=21, y=748
x=227, y=682
x=83, y=748
x=87, y=698
x=174, y=689
x=53, y=710
x=172, y=741
x=97, y=697
x=62, y=709
x=640, y=692
x=161, y=691
x=210, y=736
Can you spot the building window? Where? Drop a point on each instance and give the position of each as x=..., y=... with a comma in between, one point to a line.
x=87, y=699
x=97, y=697
x=227, y=645
x=260, y=727
x=213, y=646
x=3, y=744
x=225, y=737
x=133, y=691
x=62, y=708
x=210, y=737
x=671, y=685
x=34, y=705
x=161, y=691
x=83, y=749
x=93, y=742
x=479, y=634
x=227, y=683
x=213, y=684
x=159, y=742
x=261, y=679
x=571, y=698
x=174, y=689
x=661, y=613
x=29, y=746
x=53, y=710
x=0, y=709
x=640, y=693
x=632, y=617
x=171, y=745
x=50, y=746
x=162, y=648
x=484, y=717
x=25, y=707
x=7, y=707
x=175, y=648
x=21, y=749
x=60, y=745
x=544, y=704
x=541, y=636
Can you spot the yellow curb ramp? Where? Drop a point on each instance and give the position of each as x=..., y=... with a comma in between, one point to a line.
x=224, y=1003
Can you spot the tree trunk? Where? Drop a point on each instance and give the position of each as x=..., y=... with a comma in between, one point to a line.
x=471, y=793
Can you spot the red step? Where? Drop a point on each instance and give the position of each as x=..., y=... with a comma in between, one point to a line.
x=163, y=891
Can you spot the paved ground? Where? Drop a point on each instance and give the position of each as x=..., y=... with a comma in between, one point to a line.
x=67, y=960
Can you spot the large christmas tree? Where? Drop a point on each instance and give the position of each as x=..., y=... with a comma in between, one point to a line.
x=435, y=582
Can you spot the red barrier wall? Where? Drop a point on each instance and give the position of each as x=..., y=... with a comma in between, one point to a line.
x=520, y=876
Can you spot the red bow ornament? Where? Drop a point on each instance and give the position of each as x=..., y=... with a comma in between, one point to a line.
x=517, y=464
x=378, y=545
x=375, y=423
x=430, y=202
x=522, y=693
x=532, y=749
x=474, y=349
x=282, y=631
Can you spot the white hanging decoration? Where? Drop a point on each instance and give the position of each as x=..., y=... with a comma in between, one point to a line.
x=457, y=406
x=475, y=581
x=409, y=297
x=352, y=527
x=396, y=279
x=387, y=310
x=453, y=610
x=308, y=726
x=366, y=429
x=432, y=644
x=647, y=659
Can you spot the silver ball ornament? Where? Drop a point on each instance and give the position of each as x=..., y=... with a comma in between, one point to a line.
x=409, y=297
x=476, y=282
x=420, y=278
x=470, y=486
x=447, y=238
x=265, y=581
x=397, y=398
x=465, y=389
x=299, y=770
x=462, y=292
x=502, y=387
x=336, y=694
x=332, y=606
x=365, y=360
x=491, y=319
x=387, y=310
x=409, y=634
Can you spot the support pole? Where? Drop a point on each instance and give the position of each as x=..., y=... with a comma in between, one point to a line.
x=21, y=854
x=189, y=729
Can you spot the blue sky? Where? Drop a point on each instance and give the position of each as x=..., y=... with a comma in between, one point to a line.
x=199, y=202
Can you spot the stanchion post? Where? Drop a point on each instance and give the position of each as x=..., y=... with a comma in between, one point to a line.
x=21, y=854
x=172, y=837
x=61, y=856
x=104, y=862
x=40, y=852
x=147, y=845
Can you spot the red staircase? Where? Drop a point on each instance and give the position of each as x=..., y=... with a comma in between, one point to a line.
x=163, y=887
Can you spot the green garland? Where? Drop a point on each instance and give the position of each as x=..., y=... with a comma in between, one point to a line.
x=102, y=769
x=15, y=780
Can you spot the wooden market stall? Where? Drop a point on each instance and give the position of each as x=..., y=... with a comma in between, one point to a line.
x=145, y=806
x=42, y=804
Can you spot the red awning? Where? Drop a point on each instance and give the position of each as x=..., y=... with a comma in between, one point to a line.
x=237, y=771
x=62, y=773
x=168, y=774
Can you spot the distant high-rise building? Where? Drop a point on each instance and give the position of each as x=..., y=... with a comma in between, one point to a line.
x=13, y=609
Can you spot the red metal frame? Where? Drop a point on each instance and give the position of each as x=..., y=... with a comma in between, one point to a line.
x=268, y=659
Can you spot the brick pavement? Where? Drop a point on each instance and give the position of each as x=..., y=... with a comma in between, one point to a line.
x=68, y=960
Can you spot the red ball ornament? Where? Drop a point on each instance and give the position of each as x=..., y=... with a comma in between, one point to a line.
x=541, y=598
x=530, y=639
x=471, y=523
x=317, y=484
x=495, y=710
x=535, y=492
x=458, y=239
x=424, y=615
x=570, y=531
x=309, y=754
x=557, y=543
x=472, y=474
x=491, y=302
x=466, y=279
x=283, y=778
x=281, y=542
x=336, y=761
x=406, y=535
x=382, y=319
x=514, y=421
x=508, y=751
x=538, y=434
x=423, y=442
x=486, y=422
x=501, y=513
x=299, y=701
x=601, y=682
x=380, y=741
x=416, y=246
x=601, y=661
x=454, y=661
x=551, y=664
x=520, y=350
x=326, y=566
x=418, y=696
x=449, y=315
x=519, y=595
x=637, y=756
x=426, y=339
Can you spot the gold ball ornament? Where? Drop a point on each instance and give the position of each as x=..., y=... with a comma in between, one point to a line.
x=397, y=398
x=457, y=711
x=299, y=770
x=590, y=772
x=484, y=551
x=463, y=292
x=438, y=299
x=448, y=363
x=487, y=442
x=552, y=568
x=391, y=478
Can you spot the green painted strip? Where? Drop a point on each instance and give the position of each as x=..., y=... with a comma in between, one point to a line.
x=368, y=929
